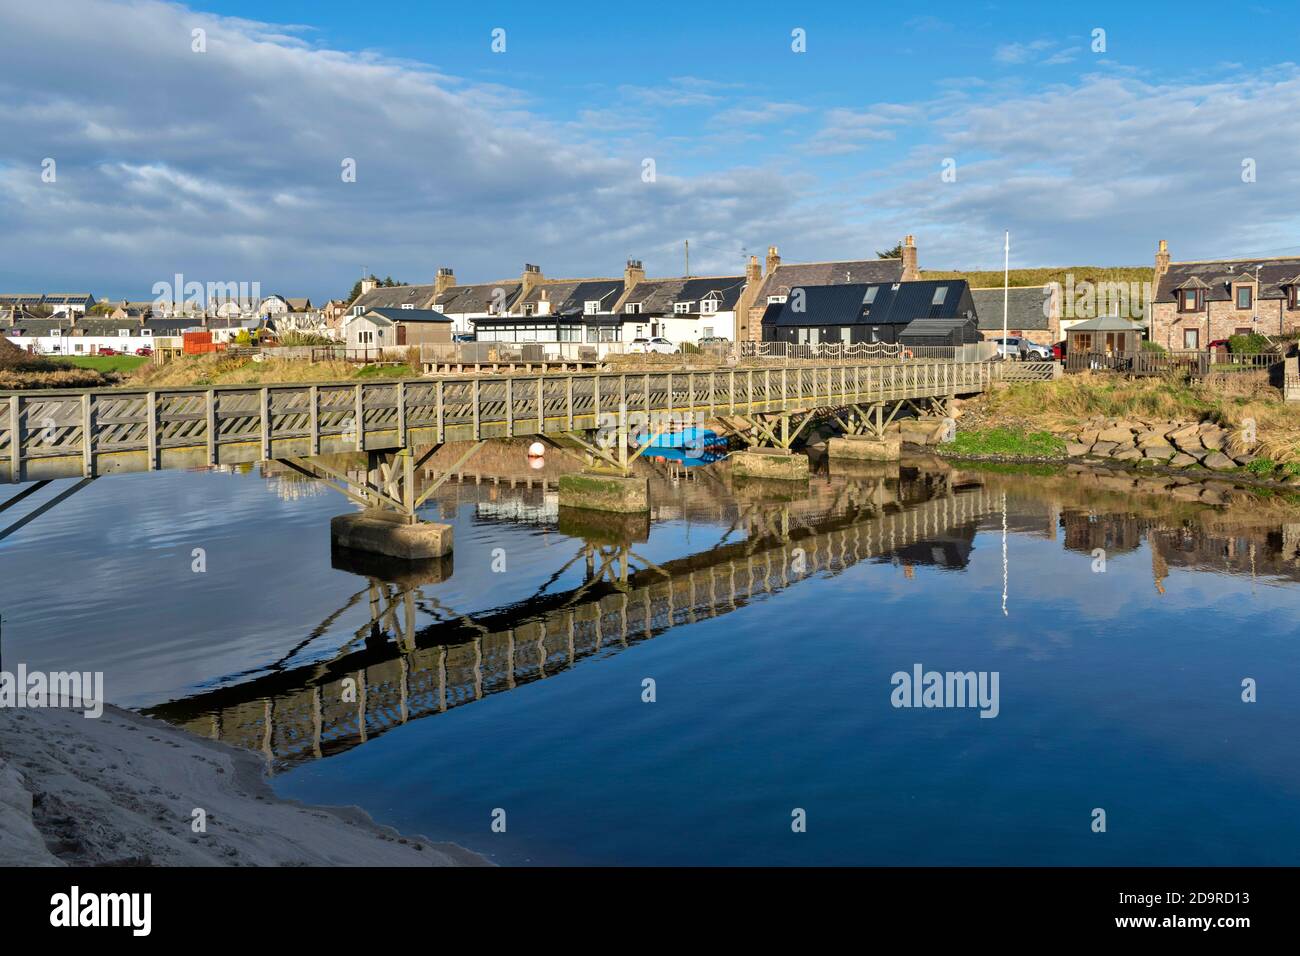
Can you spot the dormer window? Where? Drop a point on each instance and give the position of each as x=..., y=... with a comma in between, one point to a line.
x=1191, y=300
x=681, y=308
x=1245, y=297
x=530, y=309
x=775, y=299
x=709, y=306
x=408, y=305
x=632, y=308
x=1293, y=296
x=591, y=307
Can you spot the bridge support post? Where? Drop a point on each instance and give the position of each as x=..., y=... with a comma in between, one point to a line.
x=779, y=463
x=389, y=533
x=600, y=491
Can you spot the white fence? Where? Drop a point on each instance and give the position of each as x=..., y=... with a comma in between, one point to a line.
x=866, y=351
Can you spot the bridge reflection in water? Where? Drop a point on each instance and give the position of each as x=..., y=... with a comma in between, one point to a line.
x=394, y=670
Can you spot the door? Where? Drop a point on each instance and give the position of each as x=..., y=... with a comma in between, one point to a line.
x=401, y=333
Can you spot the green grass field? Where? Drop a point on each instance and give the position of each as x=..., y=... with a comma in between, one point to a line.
x=103, y=363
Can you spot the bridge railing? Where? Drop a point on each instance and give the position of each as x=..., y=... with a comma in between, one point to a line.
x=862, y=351
x=64, y=433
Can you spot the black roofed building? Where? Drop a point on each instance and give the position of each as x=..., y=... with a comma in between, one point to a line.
x=558, y=312
x=857, y=313
x=781, y=278
x=1196, y=303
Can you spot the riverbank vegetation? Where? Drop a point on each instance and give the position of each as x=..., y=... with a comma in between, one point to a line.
x=224, y=370
x=23, y=370
x=1006, y=416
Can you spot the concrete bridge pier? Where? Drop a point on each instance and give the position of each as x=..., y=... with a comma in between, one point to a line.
x=391, y=534
x=778, y=463
x=595, y=490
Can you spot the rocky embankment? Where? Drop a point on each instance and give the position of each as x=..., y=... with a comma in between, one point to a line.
x=1174, y=444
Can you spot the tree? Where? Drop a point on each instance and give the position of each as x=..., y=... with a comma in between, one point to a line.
x=388, y=282
x=894, y=253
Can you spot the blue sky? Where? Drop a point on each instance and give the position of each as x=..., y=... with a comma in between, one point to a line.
x=225, y=165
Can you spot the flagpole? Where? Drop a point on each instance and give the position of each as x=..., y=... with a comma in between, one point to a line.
x=1006, y=282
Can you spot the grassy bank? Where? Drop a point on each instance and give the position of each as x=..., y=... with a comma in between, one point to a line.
x=1056, y=406
x=103, y=363
x=1005, y=443
x=220, y=370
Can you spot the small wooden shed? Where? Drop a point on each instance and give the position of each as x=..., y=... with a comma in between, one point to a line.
x=1105, y=335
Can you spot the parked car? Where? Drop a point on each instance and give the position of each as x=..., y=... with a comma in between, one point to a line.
x=105, y=350
x=1058, y=351
x=658, y=344
x=1011, y=348
x=144, y=350
x=1039, y=353
x=463, y=337
x=1218, y=345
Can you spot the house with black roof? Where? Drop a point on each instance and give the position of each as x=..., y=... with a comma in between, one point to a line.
x=856, y=313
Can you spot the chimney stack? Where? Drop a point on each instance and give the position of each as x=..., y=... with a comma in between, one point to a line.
x=910, y=272
x=1162, y=259
x=531, y=278
x=445, y=280
x=368, y=284
x=773, y=260
x=633, y=273
x=753, y=271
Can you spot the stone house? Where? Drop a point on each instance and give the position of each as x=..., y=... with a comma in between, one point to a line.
x=1196, y=303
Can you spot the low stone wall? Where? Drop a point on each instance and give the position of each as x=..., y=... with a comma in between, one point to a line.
x=1174, y=444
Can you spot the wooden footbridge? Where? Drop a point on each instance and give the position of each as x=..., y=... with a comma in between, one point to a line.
x=70, y=433
x=299, y=713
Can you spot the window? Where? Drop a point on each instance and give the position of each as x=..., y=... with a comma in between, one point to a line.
x=709, y=306
x=591, y=307
x=707, y=332
x=940, y=294
x=1245, y=296
x=124, y=333
x=1295, y=297
x=55, y=333
x=146, y=332
x=632, y=308
x=530, y=309
x=775, y=299
x=1191, y=338
x=681, y=308
x=1082, y=342
x=408, y=305
x=1243, y=331
x=870, y=297
x=1191, y=300
x=358, y=309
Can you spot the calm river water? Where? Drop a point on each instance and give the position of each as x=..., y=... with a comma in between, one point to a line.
x=511, y=684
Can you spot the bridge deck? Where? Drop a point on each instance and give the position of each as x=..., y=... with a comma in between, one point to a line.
x=83, y=433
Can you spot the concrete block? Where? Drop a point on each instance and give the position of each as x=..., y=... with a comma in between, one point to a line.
x=770, y=463
x=387, y=533
x=600, y=492
x=864, y=448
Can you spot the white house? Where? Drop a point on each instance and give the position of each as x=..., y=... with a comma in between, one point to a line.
x=682, y=310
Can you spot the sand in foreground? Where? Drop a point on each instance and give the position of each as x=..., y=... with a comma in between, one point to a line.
x=122, y=790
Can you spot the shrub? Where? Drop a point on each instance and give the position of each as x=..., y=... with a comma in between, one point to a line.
x=1250, y=344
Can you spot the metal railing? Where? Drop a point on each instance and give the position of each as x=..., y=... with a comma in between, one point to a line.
x=59, y=433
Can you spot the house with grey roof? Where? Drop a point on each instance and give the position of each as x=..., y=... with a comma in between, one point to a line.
x=1032, y=313
x=396, y=328
x=683, y=308
x=1199, y=302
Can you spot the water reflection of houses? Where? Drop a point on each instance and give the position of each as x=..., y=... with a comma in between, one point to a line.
x=400, y=671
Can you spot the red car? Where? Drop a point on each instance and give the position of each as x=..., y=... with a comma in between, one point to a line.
x=144, y=350
x=105, y=350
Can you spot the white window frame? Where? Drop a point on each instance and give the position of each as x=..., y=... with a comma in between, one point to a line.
x=591, y=307
x=775, y=299
x=681, y=308
x=708, y=306
x=632, y=308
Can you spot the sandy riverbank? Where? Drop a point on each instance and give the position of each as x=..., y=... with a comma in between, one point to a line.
x=121, y=790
